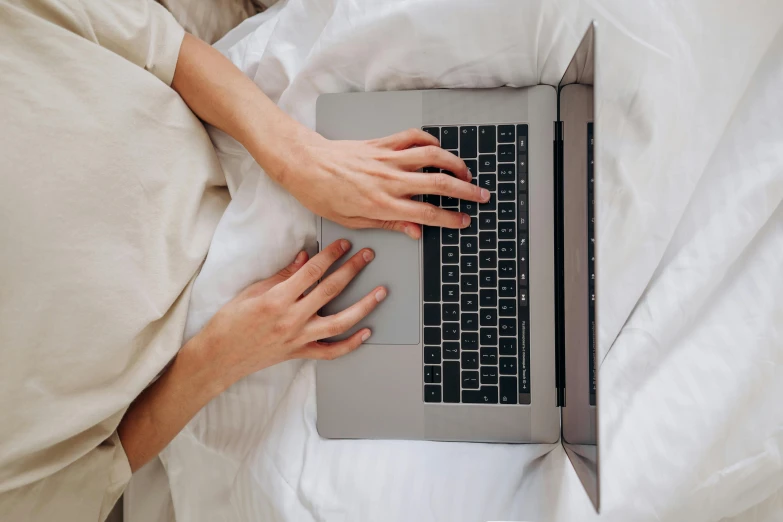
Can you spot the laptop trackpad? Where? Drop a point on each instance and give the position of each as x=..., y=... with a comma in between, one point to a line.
x=396, y=266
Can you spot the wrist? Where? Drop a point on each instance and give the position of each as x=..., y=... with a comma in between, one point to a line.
x=200, y=360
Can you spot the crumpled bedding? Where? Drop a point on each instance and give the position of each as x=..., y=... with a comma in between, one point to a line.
x=690, y=228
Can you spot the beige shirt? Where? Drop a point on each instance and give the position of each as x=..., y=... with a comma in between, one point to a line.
x=110, y=191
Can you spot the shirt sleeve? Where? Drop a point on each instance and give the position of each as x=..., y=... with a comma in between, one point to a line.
x=141, y=31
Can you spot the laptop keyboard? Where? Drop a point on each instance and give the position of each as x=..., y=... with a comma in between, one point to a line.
x=475, y=310
x=591, y=260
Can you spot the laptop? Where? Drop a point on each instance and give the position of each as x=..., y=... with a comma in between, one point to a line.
x=488, y=333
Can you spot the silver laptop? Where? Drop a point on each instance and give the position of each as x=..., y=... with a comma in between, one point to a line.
x=488, y=333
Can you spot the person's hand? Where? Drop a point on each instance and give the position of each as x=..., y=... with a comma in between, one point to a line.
x=369, y=184
x=271, y=321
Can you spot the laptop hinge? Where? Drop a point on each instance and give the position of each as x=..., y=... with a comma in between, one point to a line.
x=559, y=296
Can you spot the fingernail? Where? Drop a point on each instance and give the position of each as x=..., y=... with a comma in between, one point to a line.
x=368, y=255
x=484, y=194
x=365, y=336
x=300, y=258
x=470, y=176
x=345, y=245
x=380, y=295
x=465, y=220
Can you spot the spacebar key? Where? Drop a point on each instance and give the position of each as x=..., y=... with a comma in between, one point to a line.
x=431, y=264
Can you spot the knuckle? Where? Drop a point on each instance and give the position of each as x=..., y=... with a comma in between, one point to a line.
x=440, y=181
x=334, y=328
x=432, y=153
x=313, y=270
x=428, y=213
x=329, y=288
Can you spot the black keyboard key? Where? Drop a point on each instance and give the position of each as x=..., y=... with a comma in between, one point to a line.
x=450, y=331
x=491, y=204
x=505, y=134
x=469, y=264
x=430, y=170
x=489, y=375
x=522, y=138
x=451, y=293
x=522, y=297
x=507, y=308
x=434, y=131
x=506, y=211
x=508, y=366
x=470, y=360
x=436, y=375
x=431, y=261
x=485, y=395
x=428, y=374
x=470, y=379
x=488, y=317
x=487, y=163
x=449, y=236
x=506, y=268
x=506, y=191
x=450, y=312
x=489, y=356
x=431, y=314
x=488, y=259
x=450, y=351
x=507, y=326
x=468, y=207
x=432, y=355
x=450, y=255
x=522, y=204
x=432, y=393
x=432, y=199
x=469, y=283
x=505, y=153
x=469, y=302
x=507, y=346
x=507, y=250
x=471, y=229
x=488, y=181
x=487, y=221
x=522, y=184
x=448, y=137
x=488, y=240
x=506, y=172
x=488, y=337
x=449, y=202
x=473, y=168
x=451, y=392
x=469, y=322
x=488, y=278
x=507, y=230
x=487, y=139
x=488, y=298
x=467, y=245
x=467, y=142
x=507, y=288
x=522, y=224
x=508, y=390
x=432, y=335
x=470, y=341
x=450, y=273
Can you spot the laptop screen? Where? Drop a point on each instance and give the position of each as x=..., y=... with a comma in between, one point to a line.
x=577, y=262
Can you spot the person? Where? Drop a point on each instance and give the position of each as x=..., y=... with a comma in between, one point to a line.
x=110, y=191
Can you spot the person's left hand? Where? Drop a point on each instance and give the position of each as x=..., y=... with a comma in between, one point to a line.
x=369, y=184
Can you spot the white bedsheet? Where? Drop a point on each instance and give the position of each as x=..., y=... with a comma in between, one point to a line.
x=691, y=266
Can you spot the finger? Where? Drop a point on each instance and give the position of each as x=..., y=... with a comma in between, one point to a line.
x=431, y=156
x=412, y=230
x=329, y=351
x=313, y=270
x=427, y=214
x=445, y=185
x=333, y=285
x=330, y=326
x=406, y=139
x=263, y=286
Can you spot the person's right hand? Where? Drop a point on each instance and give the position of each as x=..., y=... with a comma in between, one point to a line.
x=271, y=321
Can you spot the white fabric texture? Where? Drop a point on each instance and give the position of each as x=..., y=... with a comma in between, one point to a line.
x=690, y=228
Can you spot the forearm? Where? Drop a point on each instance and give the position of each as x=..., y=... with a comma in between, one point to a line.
x=221, y=95
x=166, y=406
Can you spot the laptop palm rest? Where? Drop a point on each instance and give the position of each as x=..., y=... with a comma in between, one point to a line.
x=396, y=266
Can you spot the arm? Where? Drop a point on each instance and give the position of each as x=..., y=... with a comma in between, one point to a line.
x=268, y=323
x=356, y=183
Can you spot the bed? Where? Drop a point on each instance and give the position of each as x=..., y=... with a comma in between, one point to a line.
x=691, y=266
